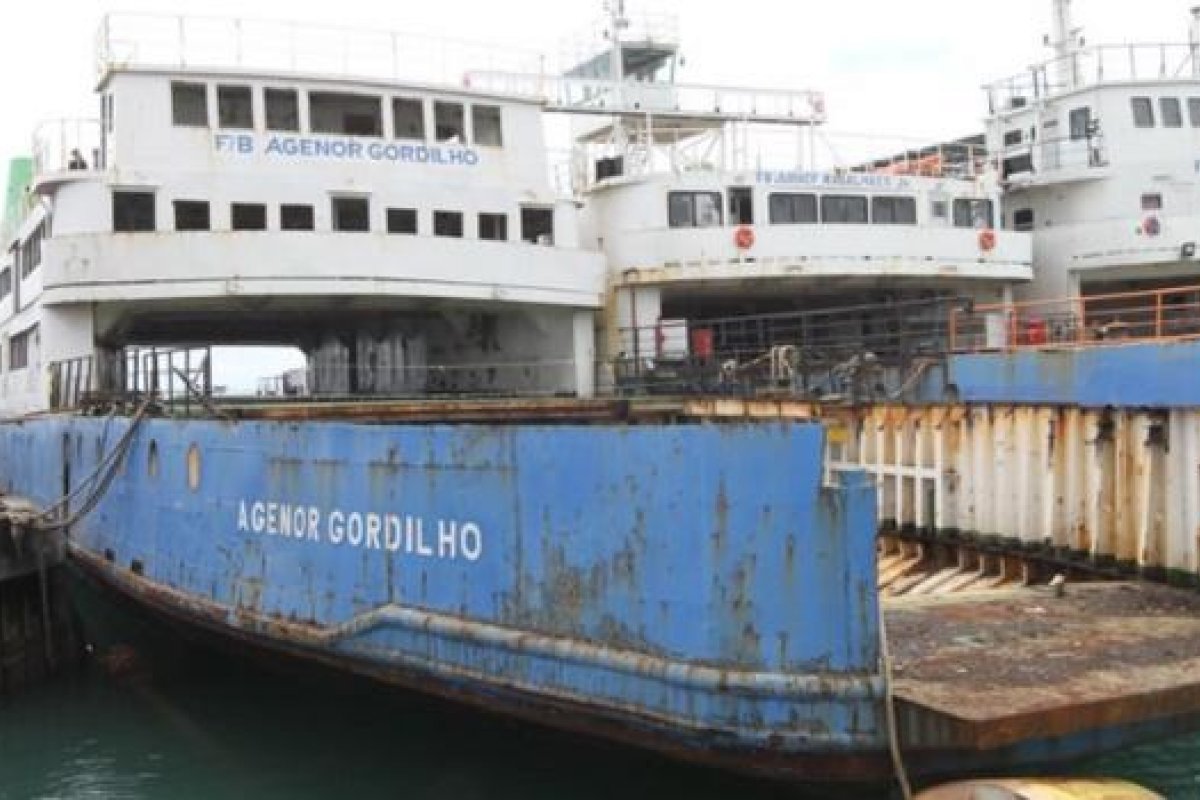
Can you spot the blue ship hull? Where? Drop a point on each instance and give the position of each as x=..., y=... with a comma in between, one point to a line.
x=691, y=587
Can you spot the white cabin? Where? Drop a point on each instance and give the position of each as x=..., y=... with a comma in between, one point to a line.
x=1097, y=150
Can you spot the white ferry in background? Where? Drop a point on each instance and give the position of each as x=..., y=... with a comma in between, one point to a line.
x=406, y=234
x=1097, y=149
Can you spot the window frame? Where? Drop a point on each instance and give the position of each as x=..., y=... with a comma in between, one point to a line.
x=1146, y=104
x=336, y=222
x=140, y=193
x=443, y=215
x=1075, y=130
x=776, y=204
x=828, y=200
x=689, y=197
x=286, y=222
x=487, y=108
x=315, y=98
x=244, y=93
x=907, y=202
x=1170, y=111
x=176, y=86
x=438, y=105
x=245, y=207
x=493, y=217
x=1026, y=224
x=280, y=92
x=414, y=102
x=971, y=217
x=403, y=221
x=193, y=206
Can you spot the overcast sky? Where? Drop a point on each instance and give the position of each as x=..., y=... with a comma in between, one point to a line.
x=909, y=69
x=905, y=68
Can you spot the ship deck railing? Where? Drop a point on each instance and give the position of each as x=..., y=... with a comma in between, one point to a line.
x=1093, y=66
x=194, y=42
x=1090, y=320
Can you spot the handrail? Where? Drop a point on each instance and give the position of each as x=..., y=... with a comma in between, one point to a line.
x=1167, y=314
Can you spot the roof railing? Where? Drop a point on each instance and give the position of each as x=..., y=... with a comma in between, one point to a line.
x=61, y=145
x=169, y=41
x=1091, y=66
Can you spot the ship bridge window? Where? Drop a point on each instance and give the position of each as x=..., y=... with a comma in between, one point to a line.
x=351, y=214
x=235, y=109
x=1143, y=112
x=282, y=108
x=248, y=217
x=408, y=118
x=5, y=283
x=191, y=215
x=939, y=209
x=349, y=114
x=843, y=209
x=1079, y=122
x=189, y=104
x=791, y=209
x=485, y=126
x=1012, y=138
x=448, y=223
x=1193, y=105
x=1023, y=219
x=294, y=217
x=694, y=209
x=537, y=225
x=31, y=250
x=971, y=213
x=894, y=210
x=133, y=211
x=449, y=123
x=1172, y=115
x=402, y=220
x=1152, y=202
x=493, y=227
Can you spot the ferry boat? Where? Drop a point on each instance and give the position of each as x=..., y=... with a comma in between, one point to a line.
x=529, y=467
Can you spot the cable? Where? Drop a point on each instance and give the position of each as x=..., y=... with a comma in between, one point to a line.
x=885, y=658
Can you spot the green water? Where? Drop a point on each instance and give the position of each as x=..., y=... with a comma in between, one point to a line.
x=191, y=723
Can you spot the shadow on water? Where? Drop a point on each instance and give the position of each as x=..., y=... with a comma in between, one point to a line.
x=161, y=716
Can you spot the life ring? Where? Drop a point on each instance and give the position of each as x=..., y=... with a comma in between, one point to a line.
x=743, y=237
x=987, y=239
x=1151, y=226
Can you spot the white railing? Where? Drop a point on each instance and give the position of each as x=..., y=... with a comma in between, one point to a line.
x=1092, y=66
x=191, y=42
x=645, y=26
x=66, y=144
x=591, y=95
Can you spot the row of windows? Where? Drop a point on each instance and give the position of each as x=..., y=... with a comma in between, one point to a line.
x=1023, y=218
x=704, y=210
x=5, y=283
x=29, y=252
x=337, y=113
x=135, y=211
x=1169, y=109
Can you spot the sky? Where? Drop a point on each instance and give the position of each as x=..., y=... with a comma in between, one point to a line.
x=911, y=69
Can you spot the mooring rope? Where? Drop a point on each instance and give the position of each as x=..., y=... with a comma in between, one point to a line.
x=885, y=659
x=99, y=480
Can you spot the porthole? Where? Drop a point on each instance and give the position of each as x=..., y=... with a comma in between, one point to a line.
x=193, y=467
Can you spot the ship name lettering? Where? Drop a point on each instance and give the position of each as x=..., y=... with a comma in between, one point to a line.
x=345, y=149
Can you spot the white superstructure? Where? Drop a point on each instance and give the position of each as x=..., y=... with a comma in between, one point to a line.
x=1098, y=151
x=402, y=220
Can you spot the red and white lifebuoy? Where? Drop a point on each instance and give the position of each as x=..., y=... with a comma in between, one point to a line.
x=987, y=239
x=743, y=237
x=1151, y=226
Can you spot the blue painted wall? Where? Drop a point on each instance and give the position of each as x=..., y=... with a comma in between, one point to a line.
x=699, y=545
x=1132, y=375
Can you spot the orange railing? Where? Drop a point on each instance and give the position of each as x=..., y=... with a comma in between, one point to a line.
x=1078, y=322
